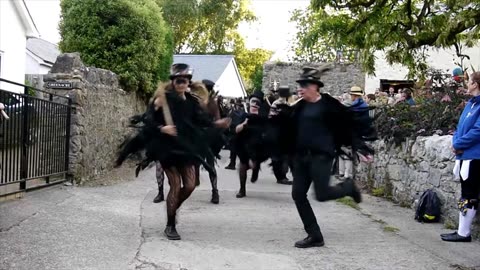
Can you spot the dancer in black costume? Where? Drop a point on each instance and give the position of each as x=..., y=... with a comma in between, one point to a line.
x=321, y=125
x=174, y=135
x=250, y=141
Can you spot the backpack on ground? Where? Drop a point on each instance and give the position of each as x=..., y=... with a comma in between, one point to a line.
x=428, y=207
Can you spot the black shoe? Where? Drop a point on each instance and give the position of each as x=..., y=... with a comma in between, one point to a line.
x=284, y=182
x=354, y=191
x=230, y=167
x=241, y=194
x=215, y=197
x=456, y=238
x=448, y=234
x=159, y=198
x=171, y=233
x=310, y=242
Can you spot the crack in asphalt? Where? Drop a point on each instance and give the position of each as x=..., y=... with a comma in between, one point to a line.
x=142, y=238
x=3, y=230
x=18, y=224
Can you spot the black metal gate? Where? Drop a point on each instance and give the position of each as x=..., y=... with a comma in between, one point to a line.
x=34, y=142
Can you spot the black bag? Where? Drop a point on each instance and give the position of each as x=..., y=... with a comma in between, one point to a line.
x=428, y=207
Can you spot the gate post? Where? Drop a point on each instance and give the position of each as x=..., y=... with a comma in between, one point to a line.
x=25, y=129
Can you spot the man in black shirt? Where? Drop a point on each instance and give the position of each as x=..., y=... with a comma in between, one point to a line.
x=321, y=126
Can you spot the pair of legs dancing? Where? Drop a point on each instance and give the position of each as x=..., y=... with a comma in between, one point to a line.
x=316, y=168
x=182, y=183
x=159, y=172
x=245, y=165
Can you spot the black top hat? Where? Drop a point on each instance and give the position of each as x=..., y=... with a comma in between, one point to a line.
x=209, y=84
x=181, y=70
x=284, y=91
x=258, y=94
x=311, y=75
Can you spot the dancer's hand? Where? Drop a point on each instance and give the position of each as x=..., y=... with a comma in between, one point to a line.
x=223, y=123
x=240, y=127
x=2, y=107
x=169, y=129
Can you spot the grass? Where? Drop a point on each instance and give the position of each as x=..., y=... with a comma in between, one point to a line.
x=349, y=202
x=389, y=228
x=378, y=192
x=380, y=221
x=449, y=224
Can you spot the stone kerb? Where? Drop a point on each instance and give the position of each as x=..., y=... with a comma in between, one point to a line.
x=100, y=112
x=403, y=173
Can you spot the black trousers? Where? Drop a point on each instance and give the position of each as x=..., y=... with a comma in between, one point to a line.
x=280, y=166
x=314, y=168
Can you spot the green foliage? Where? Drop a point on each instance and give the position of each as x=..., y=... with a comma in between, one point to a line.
x=256, y=79
x=206, y=26
x=378, y=192
x=250, y=65
x=432, y=115
x=127, y=37
x=404, y=30
x=211, y=27
x=313, y=43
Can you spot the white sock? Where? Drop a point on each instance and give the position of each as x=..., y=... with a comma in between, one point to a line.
x=465, y=222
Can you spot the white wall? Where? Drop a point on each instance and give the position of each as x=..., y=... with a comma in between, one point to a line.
x=12, y=46
x=228, y=85
x=439, y=59
x=33, y=66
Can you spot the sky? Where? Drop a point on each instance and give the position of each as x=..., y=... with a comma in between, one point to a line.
x=271, y=31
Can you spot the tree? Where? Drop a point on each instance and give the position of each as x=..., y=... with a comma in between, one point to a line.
x=211, y=27
x=250, y=63
x=308, y=46
x=128, y=37
x=205, y=26
x=404, y=30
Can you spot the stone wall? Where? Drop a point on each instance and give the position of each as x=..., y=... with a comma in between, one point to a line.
x=403, y=173
x=337, y=80
x=99, y=116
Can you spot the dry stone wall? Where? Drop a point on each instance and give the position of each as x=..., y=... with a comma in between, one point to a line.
x=99, y=116
x=339, y=79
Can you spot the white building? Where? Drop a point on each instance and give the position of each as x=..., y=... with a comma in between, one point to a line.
x=443, y=59
x=16, y=25
x=221, y=69
x=41, y=55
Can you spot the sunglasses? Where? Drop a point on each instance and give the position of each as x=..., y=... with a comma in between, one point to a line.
x=181, y=81
x=303, y=84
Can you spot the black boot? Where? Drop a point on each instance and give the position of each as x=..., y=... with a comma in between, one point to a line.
x=171, y=233
x=231, y=166
x=456, y=238
x=284, y=182
x=215, y=197
x=242, y=174
x=159, y=197
x=310, y=241
x=352, y=190
x=255, y=171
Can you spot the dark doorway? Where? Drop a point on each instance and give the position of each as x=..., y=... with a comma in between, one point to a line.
x=396, y=84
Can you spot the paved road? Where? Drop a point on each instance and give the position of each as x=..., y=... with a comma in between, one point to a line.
x=118, y=227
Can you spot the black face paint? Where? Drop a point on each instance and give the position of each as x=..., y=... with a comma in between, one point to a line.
x=181, y=81
x=255, y=102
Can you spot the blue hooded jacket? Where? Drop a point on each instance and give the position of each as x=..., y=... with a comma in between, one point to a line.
x=467, y=136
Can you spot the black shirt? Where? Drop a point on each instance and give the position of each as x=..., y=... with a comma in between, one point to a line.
x=313, y=133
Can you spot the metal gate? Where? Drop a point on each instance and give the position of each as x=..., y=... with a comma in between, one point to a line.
x=34, y=142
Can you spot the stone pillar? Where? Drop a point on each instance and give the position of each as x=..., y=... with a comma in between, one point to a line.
x=100, y=112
